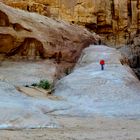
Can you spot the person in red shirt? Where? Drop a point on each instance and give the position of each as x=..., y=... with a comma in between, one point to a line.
x=102, y=63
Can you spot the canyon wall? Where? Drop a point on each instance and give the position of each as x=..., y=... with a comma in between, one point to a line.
x=115, y=20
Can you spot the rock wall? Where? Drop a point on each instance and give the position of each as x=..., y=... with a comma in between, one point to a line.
x=115, y=20
x=131, y=53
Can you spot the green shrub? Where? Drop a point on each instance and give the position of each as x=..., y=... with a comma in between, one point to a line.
x=44, y=84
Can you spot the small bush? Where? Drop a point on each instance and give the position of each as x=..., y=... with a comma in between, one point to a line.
x=44, y=84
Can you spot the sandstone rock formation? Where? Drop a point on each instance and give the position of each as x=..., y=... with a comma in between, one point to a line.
x=31, y=36
x=114, y=91
x=131, y=53
x=115, y=20
x=19, y=111
x=87, y=91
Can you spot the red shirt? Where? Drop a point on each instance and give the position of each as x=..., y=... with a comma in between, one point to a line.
x=102, y=62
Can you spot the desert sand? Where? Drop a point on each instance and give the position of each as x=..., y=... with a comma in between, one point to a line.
x=75, y=128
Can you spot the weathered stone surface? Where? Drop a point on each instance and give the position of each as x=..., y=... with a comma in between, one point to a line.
x=115, y=20
x=131, y=53
x=31, y=36
x=114, y=91
x=20, y=73
x=19, y=111
x=87, y=91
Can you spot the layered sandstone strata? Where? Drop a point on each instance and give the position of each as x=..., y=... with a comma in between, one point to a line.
x=115, y=20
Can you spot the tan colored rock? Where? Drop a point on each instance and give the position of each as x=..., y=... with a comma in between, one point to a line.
x=115, y=20
x=31, y=36
x=37, y=93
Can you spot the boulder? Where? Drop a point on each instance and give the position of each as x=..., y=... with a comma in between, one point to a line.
x=30, y=36
x=111, y=92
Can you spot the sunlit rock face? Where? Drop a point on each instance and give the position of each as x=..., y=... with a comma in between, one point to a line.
x=115, y=20
x=31, y=36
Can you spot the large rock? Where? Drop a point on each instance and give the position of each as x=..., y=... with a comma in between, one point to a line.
x=115, y=20
x=31, y=36
x=132, y=53
x=112, y=92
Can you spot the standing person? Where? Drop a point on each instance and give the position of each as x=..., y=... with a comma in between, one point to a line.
x=102, y=63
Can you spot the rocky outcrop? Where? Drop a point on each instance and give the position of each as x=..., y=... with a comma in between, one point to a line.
x=134, y=46
x=20, y=111
x=86, y=92
x=115, y=20
x=131, y=53
x=112, y=92
x=31, y=36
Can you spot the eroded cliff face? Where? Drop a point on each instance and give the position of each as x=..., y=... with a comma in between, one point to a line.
x=115, y=20
x=31, y=36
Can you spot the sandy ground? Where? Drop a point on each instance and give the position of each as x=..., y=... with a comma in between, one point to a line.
x=80, y=129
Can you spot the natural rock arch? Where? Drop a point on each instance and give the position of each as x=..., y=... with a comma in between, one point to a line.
x=30, y=48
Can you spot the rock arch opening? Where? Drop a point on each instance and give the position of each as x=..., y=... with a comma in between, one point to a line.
x=30, y=48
